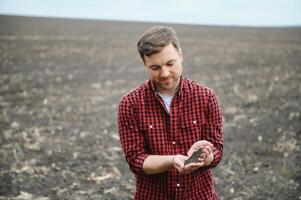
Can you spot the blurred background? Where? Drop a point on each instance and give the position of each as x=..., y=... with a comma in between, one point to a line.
x=204, y=12
x=65, y=64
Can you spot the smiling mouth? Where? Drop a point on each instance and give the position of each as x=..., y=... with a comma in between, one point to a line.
x=165, y=80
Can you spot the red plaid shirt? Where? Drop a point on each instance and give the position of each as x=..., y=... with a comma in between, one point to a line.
x=146, y=128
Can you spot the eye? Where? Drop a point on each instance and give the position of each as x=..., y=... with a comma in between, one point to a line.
x=170, y=64
x=154, y=67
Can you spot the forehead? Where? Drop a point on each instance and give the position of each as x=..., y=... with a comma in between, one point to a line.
x=169, y=52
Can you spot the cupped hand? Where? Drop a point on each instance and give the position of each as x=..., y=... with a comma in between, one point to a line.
x=207, y=156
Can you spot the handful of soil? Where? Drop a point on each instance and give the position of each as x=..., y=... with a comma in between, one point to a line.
x=194, y=157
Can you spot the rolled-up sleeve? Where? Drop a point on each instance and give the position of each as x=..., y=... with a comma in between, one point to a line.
x=132, y=141
x=213, y=128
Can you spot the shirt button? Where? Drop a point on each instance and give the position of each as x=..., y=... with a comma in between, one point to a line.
x=173, y=142
x=151, y=126
x=194, y=122
x=178, y=184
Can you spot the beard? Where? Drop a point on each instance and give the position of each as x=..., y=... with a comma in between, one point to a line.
x=169, y=84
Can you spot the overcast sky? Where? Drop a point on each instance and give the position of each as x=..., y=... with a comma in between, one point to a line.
x=209, y=12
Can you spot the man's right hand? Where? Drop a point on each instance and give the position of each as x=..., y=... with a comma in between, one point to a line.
x=178, y=163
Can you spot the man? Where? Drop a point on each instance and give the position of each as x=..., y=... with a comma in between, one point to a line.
x=164, y=120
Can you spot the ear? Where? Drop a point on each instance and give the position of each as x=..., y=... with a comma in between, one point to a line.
x=180, y=52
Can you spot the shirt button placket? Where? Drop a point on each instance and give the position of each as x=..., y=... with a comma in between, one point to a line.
x=179, y=191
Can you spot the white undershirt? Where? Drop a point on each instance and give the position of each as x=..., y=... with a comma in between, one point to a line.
x=167, y=101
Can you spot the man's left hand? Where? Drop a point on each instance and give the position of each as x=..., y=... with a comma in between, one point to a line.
x=207, y=156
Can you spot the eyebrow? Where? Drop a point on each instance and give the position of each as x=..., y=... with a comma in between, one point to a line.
x=172, y=60
x=157, y=65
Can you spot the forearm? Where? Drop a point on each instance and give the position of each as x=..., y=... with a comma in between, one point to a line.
x=155, y=164
x=213, y=129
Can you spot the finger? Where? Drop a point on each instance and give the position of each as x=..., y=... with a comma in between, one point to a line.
x=201, y=144
x=207, y=143
x=209, y=146
x=203, y=155
x=207, y=149
x=193, y=166
x=206, y=152
x=204, y=143
x=211, y=149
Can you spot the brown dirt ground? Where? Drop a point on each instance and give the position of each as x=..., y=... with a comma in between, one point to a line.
x=61, y=80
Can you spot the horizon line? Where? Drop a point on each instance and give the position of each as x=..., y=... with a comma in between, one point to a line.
x=145, y=21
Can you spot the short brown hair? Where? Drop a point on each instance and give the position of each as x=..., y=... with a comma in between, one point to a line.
x=155, y=39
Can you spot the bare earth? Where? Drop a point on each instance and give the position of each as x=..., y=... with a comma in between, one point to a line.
x=61, y=80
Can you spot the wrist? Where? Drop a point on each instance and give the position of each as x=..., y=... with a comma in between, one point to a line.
x=172, y=160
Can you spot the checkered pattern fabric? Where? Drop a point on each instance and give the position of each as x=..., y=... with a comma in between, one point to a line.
x=146, y=128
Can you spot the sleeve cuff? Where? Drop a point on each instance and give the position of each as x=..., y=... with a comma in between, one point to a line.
x=137, y=168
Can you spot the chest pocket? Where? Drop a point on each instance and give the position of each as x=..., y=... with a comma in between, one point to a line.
x=191, y=129
x=155, y=136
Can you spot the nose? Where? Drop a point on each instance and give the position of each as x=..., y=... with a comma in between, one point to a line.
x=164, y=72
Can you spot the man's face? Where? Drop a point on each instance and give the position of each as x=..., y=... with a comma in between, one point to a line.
x=165, y=69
